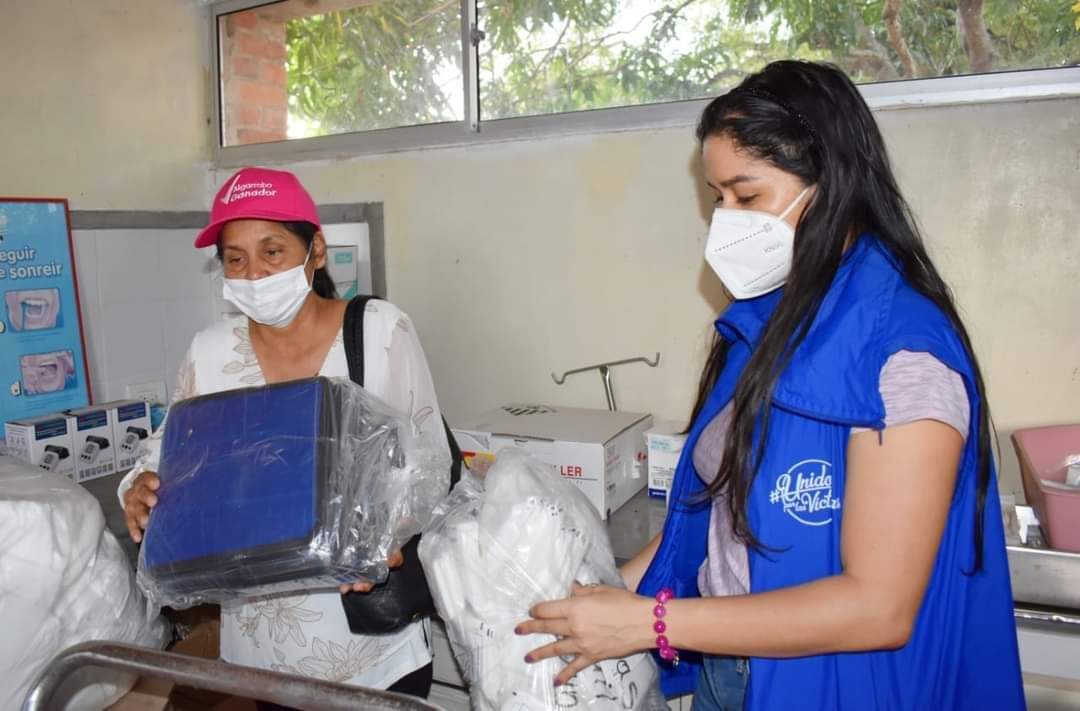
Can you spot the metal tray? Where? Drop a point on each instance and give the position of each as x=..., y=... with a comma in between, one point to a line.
x=1045, y=577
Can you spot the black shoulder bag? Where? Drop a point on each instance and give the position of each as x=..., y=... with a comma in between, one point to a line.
x=404, y=597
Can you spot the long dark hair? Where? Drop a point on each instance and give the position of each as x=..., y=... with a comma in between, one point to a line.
x=321, y=283
x=809, y=120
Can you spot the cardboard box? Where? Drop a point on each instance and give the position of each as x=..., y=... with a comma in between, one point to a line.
x=665, y=447
x=43, y=441
x=131, y=427
x=92, y=433
x=602, y=452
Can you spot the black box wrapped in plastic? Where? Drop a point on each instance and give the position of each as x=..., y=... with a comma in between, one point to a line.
x=282, y=488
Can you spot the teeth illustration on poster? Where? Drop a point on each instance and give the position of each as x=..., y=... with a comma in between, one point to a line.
x=42, y=357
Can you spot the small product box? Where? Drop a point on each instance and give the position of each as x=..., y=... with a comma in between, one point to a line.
x=43, y=441
x=665, y=446
x=131, y=427
x=602, y=452
x=92, y=434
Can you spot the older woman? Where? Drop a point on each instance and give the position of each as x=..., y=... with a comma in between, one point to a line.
x=267, y=233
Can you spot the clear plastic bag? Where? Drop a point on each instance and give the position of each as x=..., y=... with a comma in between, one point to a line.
x=288, y=487
x=497, y=546
x=63, y=580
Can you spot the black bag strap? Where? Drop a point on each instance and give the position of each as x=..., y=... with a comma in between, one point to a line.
x=352, y=331
x=457, y=460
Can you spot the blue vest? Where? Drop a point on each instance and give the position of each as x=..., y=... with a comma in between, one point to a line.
x=962, y=653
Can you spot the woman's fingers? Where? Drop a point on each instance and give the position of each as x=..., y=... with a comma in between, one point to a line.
x=138, y=500
x=558, y=648
x=557, y=627
x=395, y=560
x=571, y=670
x=132, y=521
x=135, y=512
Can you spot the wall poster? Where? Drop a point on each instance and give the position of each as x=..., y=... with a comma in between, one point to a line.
x=43, y=365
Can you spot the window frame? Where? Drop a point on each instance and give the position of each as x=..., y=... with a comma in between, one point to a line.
x=1009, y=85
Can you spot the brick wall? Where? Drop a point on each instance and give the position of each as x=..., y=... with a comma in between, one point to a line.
x=255, y=102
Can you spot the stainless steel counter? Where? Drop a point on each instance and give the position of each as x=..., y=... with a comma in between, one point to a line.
x=1045, y=577
x=104, y=490
x=1046, y=587
x=635, y=524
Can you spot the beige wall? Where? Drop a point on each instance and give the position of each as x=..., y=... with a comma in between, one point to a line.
x=996, y=189
x=519, y=259
x=104, y=103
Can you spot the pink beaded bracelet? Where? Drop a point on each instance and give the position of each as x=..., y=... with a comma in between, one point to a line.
x=663, y=646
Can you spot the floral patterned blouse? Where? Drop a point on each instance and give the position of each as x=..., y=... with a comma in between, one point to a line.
x=309, y=634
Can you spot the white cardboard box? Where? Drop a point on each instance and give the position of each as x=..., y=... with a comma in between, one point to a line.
x=665, y=447
x=131, y=427
x=602, y=452
x=92, y=434
x=43, y=441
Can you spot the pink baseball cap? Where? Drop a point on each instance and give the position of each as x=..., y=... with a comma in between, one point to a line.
x=258, y=194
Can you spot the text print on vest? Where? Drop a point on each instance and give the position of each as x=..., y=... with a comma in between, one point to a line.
x=806, y=492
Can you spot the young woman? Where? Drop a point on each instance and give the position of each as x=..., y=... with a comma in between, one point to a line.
x=267, y=233
x=835, y=517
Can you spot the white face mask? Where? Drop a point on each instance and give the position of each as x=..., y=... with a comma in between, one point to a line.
x=751, y=251
x=273, y=300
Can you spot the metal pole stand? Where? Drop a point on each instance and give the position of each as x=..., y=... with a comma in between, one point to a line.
x=605, y=374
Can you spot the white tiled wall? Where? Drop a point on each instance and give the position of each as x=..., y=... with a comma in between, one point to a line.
x=144, y=294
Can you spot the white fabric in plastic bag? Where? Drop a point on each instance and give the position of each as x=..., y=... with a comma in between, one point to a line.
x=501, y=544
x=63, y=580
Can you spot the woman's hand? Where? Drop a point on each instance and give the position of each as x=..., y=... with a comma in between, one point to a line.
x=396, y=560
x=138, y=500
x=597, y=622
